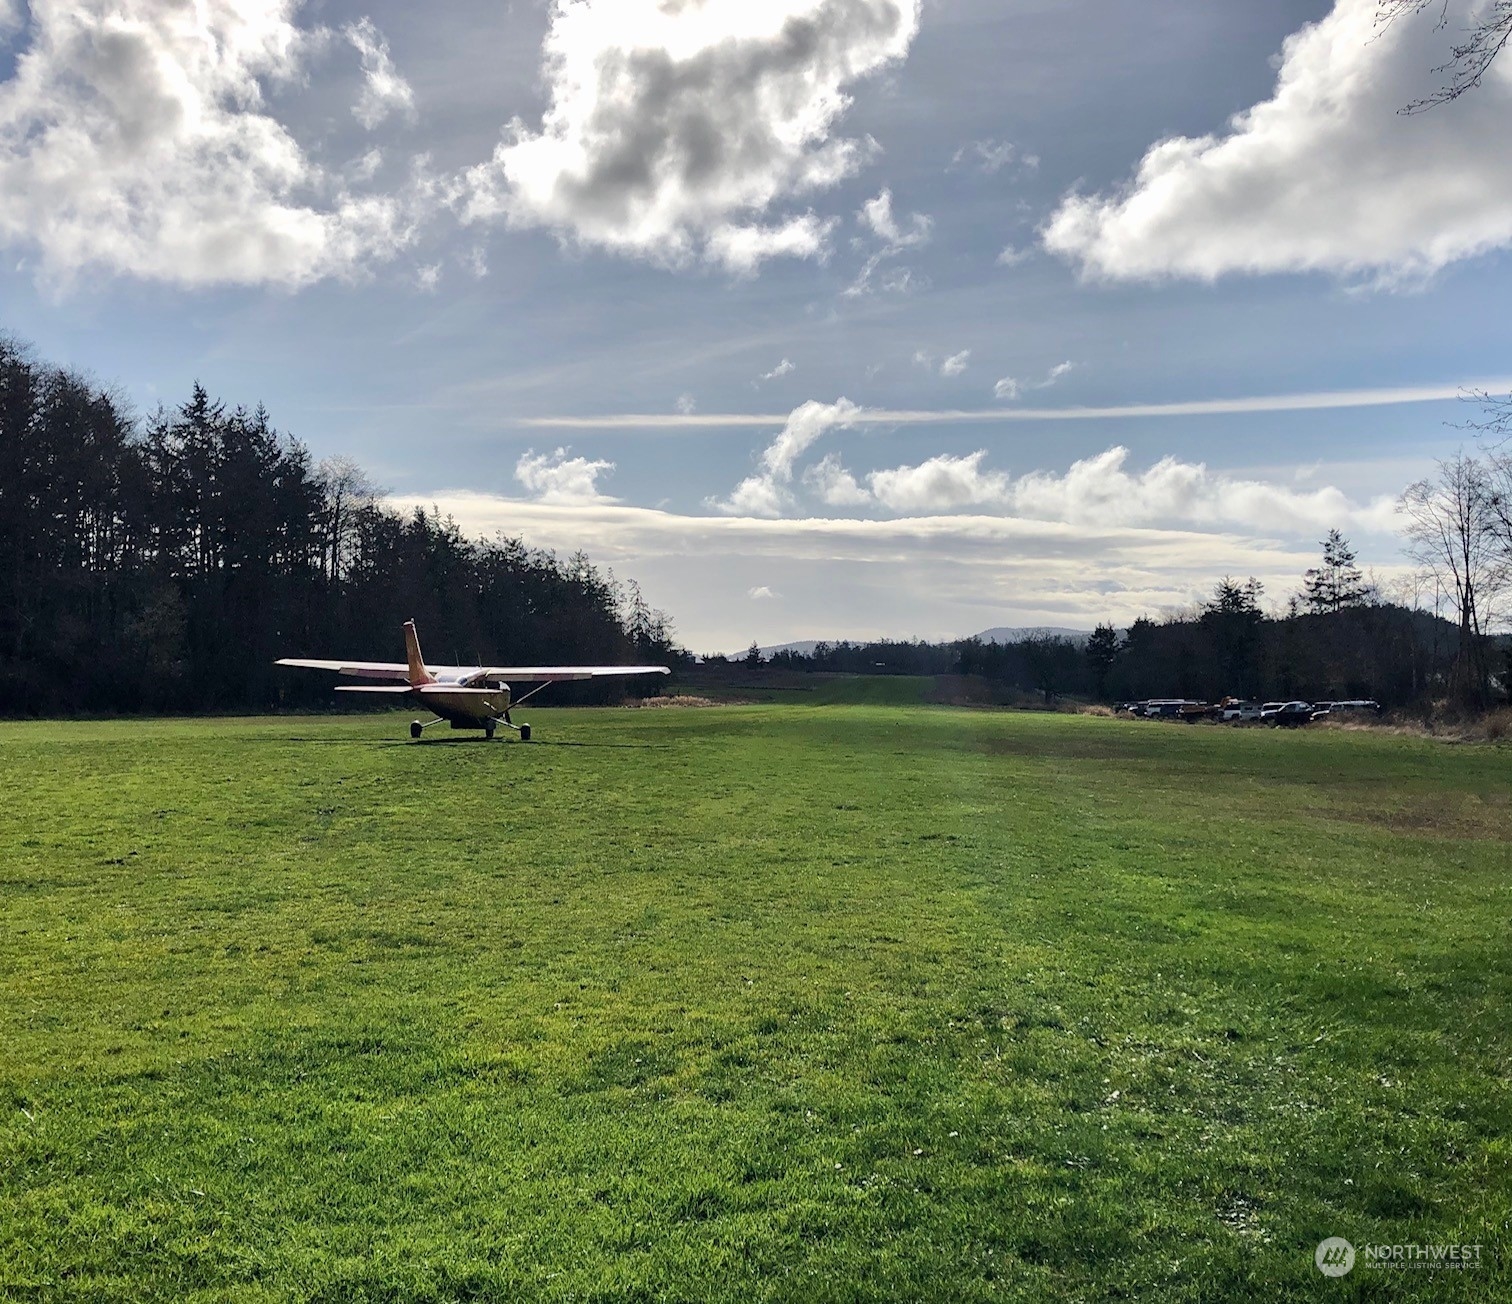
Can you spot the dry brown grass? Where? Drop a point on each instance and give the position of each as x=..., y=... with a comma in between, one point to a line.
x=683, y=700
x=1497, y=726
x=1493, y=727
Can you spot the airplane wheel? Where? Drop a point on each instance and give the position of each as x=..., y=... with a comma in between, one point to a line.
x=524, y=733
x=414, y=728
x=488, y=731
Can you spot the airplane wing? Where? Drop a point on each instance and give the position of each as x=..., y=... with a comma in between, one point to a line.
x=358, y=669
x=516, y=674
x=550, y=674
x=402, y=689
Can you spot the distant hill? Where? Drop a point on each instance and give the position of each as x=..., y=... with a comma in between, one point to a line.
x=1017, y=634
x=803, y=647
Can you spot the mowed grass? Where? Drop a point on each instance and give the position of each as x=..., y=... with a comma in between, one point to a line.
x=763, y=1003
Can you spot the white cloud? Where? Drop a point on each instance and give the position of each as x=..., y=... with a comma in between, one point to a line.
x=952, y=365
x=428, y=277
x=761, y=593
x=1326, y=175
x=384, y=91
x=11, y=17
x=686, y=404
x=876, y=216
x=1099, y=490
x=1012, y=257
x=1011, y=388
x=135, y=137
x=765, y=493
x=992, y=156
x=941, y=484
x=783, y=368
x=557, y=478
x=367, y=167
x=673, y=127
x=742, y=249
x=756, y=495
x=834, y=485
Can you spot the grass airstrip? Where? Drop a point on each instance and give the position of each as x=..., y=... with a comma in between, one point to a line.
x=751, y=1003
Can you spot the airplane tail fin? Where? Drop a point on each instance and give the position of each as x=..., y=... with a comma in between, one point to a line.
x=418, y=674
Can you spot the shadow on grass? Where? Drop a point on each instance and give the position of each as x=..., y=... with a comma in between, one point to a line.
x=471, y=740
x=533, y=743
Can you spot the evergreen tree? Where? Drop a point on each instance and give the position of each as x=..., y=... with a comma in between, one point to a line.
x=1102, y=652
x=166, y=566
x=1233, y=624
x=1336, y=583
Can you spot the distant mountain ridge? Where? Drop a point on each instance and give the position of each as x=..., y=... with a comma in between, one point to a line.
x=1001, y=634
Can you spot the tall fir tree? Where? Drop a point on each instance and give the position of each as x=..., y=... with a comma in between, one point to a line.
x=1102, y=653
x=1336, y=583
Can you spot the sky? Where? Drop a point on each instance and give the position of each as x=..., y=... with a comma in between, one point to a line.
x=819, y=318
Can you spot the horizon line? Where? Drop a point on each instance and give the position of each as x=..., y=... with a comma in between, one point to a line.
x=1322, y=400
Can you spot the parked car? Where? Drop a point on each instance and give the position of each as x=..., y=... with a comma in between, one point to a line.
x=1288, y=715
x=1242, y=711
x=1169, y=708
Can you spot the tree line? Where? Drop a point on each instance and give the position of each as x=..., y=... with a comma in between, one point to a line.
x=165, y=563
x=1336, y=638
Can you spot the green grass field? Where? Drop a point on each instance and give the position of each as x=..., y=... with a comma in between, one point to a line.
x=761, y=1003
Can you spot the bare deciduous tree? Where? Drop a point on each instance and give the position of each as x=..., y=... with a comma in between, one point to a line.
x=1499, y=503
x=1473, y=52
x=347, y=490
x=1450, y=533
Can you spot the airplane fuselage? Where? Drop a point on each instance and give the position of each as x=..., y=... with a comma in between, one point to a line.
x=463, y=710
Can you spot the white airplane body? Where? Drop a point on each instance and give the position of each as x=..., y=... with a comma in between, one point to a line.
x=468, y=697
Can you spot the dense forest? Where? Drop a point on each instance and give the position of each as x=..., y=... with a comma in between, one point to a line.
x=166, y=563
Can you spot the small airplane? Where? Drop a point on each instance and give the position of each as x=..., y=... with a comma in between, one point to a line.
x=470, y=697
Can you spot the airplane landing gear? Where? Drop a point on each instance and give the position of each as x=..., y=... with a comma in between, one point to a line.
x=488, y=730
x=524, y=733
x=415, y=728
